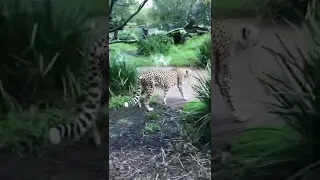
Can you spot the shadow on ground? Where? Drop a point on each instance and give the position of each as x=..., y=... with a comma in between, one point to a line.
x=79, y=161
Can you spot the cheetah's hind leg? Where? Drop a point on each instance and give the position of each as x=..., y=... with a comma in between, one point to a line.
x=141, y=98
x=149, y=91
x=224, y=83
x=165, y=93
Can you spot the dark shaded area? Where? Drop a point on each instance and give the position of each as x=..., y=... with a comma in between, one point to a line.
x=78, y=161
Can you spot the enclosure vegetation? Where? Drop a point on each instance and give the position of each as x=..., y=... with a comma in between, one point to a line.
x=39, y=66
x=150, y=52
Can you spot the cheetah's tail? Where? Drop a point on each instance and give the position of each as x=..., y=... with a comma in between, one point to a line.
x=73, y=130
x=137, y=96
x=84, y=121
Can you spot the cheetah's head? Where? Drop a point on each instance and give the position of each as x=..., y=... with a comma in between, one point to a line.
x=187, y=73
x=248, y=37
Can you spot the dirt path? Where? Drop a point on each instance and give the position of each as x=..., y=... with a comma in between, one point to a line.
x=174, y=98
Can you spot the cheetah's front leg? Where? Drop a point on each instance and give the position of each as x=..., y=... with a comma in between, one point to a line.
x=180, y=87
x=165, y=93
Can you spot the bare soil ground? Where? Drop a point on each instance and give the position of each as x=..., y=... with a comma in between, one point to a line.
x=146, y=146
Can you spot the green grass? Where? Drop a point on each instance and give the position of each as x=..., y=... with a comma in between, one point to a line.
x=122, y=76
x=185, y=55
x=150, y=128
x=152, y=115
x=254, y=142
x=123, y=47
x=117, y=102
x=26, y=132
x=181, y=55
x=192, y=115
x=262, y=152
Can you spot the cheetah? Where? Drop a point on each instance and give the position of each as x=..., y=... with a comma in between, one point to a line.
x=164, y=79
x=225, y=43
x=91, y=85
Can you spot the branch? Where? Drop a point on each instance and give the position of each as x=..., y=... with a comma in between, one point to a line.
x=135, y=13
x=123, y=41
x=119, y=10
x=129, y=4
x=124, y=6
x=111, y=7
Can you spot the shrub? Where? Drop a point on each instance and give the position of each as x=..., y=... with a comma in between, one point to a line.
x=26, y=132
x=178, y=35
x=259, y=140
x=117, y=102
x=297, y=104
x=122, y=76
x=41, y=53
x=196, y=116
x=127, y=35
x=204, y=53
x=158, y=43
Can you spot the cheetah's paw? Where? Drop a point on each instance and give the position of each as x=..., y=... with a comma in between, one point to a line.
x=164, y=102
x=240, y=118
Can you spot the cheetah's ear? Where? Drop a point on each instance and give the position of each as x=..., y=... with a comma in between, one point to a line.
x=245, y=33
x=188, y=71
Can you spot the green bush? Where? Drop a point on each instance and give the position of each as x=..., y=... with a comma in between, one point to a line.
x=122, y=76
x=204, y=53
x=41, y=55
x=196, y=116
x=117, y=102
x=178, y=35
x=158, y=43
x=26, y=132
x=259, y=140
x=127, y=35
x=297, y=104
